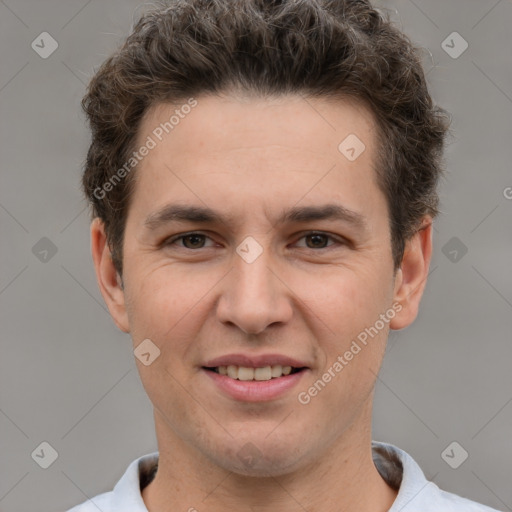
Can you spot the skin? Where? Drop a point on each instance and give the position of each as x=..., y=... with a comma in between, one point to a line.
x=303, y=297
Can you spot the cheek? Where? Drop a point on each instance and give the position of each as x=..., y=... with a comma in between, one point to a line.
x=346, y=300
x=350, y=306
x=162, y=299
x=165, y=308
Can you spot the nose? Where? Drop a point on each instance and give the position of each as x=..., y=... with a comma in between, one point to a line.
x=254, y=296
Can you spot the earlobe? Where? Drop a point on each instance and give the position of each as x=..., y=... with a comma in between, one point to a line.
x=109, y=281
x=411, y=278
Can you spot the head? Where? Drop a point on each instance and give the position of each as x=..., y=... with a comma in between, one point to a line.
x=243, y=108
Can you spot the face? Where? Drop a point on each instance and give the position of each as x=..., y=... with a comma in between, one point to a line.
x=253, y=242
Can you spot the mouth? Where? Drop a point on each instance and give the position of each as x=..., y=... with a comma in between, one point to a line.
x=262, y=373
x=255, y=378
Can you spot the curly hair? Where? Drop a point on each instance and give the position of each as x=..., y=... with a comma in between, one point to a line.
x=316, y=48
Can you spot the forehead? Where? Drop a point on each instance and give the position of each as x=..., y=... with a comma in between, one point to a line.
x=272, y=150
x=286, y=120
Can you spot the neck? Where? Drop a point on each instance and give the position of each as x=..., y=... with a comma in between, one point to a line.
x=342, y=479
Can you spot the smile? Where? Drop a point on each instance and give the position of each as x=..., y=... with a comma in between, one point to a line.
x=247, y=384
x=246, y=373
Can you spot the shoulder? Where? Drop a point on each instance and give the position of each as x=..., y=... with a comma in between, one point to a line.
x=454, y=503
x=415, y=492
x=433, y=499
x=126, y=494
x=101, y=502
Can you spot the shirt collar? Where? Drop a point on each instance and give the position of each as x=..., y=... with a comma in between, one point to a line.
x=396, y=466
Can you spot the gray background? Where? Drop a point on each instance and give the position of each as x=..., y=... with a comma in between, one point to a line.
x=68, y=376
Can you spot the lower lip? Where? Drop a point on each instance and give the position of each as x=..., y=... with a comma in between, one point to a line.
x=254, y=390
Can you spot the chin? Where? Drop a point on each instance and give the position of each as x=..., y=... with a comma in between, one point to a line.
x=262, y=458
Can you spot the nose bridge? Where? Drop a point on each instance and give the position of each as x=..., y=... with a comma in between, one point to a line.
x=253, y=278
x=254, y=297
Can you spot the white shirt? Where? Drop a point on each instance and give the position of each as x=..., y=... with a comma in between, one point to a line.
x=398, y=468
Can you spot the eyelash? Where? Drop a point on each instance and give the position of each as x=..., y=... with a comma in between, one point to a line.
x=172, y=240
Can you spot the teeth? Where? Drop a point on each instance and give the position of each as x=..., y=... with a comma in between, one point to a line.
x=232, y=371
x=264, y=373
x=276, y=371
x=245, y=373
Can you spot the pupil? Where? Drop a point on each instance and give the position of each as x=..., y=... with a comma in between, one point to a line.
x=194, y=237
x=318, y=237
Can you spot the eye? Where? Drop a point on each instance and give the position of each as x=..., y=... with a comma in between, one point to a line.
x=189, y=240
x=196, y=240
x=318, y=240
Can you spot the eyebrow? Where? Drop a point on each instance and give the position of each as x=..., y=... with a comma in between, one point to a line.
x=205, y=215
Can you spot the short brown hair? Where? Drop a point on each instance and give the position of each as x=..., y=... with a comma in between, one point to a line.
x=316, y=48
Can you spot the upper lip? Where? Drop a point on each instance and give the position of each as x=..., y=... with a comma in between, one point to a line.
x=254, y=361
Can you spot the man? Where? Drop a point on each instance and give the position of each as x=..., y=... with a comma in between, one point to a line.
x=263, y=182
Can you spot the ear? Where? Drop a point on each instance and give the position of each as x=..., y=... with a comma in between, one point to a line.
x=109, y=281
x=411, y=277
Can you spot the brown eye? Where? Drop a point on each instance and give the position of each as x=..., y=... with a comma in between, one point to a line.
x=194, y=241
x=318, y=241
x=188, y=241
